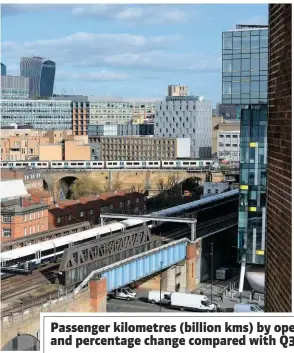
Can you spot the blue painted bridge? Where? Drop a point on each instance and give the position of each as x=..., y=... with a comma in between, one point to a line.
x=140, y=266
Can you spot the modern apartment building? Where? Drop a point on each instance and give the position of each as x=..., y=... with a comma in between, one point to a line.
x=3, y=70
x=21, y=215
x=245, y=75
x=44, y=145
x=135, y=148
x=40, y=114
x=177, y=90
x=186, y=117
x=228, y=146
x=14, y=87
x=121, y=130
x=21, y=148
x=278, y=267
x=41, y=74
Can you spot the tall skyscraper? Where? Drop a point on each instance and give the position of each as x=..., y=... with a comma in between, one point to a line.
x=245, y=76
x=3, y=70
x=278, y=272
x=41, y=73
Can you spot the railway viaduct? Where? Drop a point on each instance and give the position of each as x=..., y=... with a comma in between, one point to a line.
x=126, y=179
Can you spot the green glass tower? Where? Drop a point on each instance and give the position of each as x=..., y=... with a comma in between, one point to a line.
x=244, y=79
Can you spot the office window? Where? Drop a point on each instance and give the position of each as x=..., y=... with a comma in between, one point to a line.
x=58, y=220
x=81, y=214
x=25, y=231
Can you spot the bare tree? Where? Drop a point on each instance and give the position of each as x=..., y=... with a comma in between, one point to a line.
x=160, y=184
x=57, y=189
x=85, y=186
x=137, y=188
x=173, y=180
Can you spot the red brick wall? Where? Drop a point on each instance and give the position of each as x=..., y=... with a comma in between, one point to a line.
x=278, y=279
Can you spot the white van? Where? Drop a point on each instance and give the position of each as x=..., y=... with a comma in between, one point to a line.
x=193, y=302
x=123, y=293
x=154, y=297
x=247, y=308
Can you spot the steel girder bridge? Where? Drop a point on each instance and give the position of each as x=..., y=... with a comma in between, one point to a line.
x=79, y=261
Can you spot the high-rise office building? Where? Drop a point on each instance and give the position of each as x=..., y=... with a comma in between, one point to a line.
x=3, y=70
x=245, y=76
x=278, y=272
x=41, y=73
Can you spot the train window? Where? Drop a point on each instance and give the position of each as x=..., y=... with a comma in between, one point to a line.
x=59, y=163
x=150, y=163
x=18, y=164
x=114, y=163
x=39, y=163
x=26, y=164
x=109, y=163
x=80, y=163
x=73, y=163
x=156, y=163
x=193, y=163
x=53, y=163
x=99, y=163
x=94, y=163
x=171, y=163
x=207, y=163
x=165, y=163
x=185, y=163
x=44, y=163
x=128, y=163
x=136, y=163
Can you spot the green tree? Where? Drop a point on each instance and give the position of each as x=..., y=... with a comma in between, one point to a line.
x=83, y=187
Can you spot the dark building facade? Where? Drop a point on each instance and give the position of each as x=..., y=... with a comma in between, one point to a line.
x=41, y=73
x=3, y=70
x=228, y=111
x=278, y=275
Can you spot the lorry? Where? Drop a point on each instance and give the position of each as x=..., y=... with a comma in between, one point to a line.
x=191, y=302
x=156, y=296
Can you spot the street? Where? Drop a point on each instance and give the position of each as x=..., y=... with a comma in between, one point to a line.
x=138, y=305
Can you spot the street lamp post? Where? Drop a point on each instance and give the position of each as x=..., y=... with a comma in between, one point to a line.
x=161, y=263
x=211, y=271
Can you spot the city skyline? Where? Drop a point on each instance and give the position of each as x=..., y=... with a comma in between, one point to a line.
x=131, y=50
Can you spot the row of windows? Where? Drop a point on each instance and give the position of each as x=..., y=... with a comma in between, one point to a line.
x=228, y=136
x=26, y=217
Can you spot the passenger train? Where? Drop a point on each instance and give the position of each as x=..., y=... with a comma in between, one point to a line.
x=32, y=255
x=176, y=164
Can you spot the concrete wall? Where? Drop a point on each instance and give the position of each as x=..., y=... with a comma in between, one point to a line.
x=76, y=151
x=50, y=152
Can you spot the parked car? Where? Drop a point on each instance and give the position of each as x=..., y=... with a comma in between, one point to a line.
x=192, y=302
x=247, y=308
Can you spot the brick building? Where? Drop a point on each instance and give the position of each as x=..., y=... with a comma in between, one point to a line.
x=89, y=209
x=31, y=178
x=21, y=214
x=278, y=275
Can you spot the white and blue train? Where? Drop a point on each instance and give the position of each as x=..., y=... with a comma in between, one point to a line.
x=176, y=164
x=32, y=255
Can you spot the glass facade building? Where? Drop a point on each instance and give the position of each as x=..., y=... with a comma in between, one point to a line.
x=244, y=83
x=41, y=73
x=244, y=66
x=40, y=114
x=121, y=130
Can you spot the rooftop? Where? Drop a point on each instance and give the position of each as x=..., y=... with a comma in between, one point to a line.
x=10, y=189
